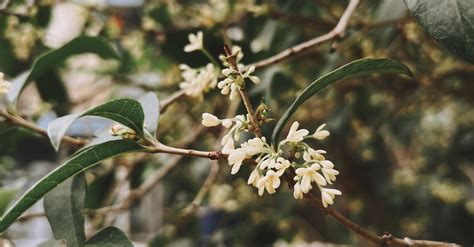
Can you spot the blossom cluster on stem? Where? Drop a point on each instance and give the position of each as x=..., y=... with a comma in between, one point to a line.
x=234, y=78
x=311, y=167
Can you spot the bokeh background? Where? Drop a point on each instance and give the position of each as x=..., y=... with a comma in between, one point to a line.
x=404, y=147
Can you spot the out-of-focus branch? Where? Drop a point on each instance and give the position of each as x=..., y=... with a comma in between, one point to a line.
x=337, y=33
x=211, y=177
x=21, y=122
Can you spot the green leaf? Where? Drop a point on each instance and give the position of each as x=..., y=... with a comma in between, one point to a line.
x=6, y=196
x=450, y=22
x=53, y=243
x=125, y=111
x=109, y=237
x=151, y=107
x=66, y=218
x=77, y=164
x=52, y=59
x=354, y=69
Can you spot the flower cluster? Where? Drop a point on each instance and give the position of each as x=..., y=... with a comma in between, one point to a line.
x=311, y=167
x=4, y=85
x=233, y=73
x=198, y=81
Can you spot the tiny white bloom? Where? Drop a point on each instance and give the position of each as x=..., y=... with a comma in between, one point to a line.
x=321, y=134
x=328, y=171
x=195, y=42
x=254, y=177
x=311, y=154
x=4, y=84
x=327, y=196
x=295, y=135
x=210, y=120
x=308, y=175
x=227, y=123
x=235, y=159
x=228, y=146
x=254, y=146
x=297, y=192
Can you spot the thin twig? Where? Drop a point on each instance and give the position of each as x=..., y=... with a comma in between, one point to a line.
x=211, y=177
x=21, y=122
x=337, y=33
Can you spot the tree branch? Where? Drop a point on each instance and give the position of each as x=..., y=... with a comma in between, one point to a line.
x=337, y=33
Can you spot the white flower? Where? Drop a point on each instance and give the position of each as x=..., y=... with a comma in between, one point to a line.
x=327, y=196
x=321, y=134
x=270, y=182
x=229, y=146
x=195, y=42
x=297, y=192
x=328, y=171
x=254, y=146
x=308, y=175
x=227, y=123
x=210, y=120
x=4, y=85
x=253, y=78
x=198, y=81
x=282, y=164
x=235, y=159
x=312, y=154
x=254, y=177
x=295, y=135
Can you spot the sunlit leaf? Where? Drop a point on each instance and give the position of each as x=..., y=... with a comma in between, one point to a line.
x=356, y=68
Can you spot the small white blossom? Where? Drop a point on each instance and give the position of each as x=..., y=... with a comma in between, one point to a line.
x=210, y=120
x=254, y=177
x=195, y=42
x=327, y=196
x=308, y=175
x=198, y=81
x=270, y=182
x=4, y=84
x=312, y=154
x=297, y=192
x=328, y=171
x=295, y=135
x=321, y=134
x=229, y=146
x=235, y=159
x=253, y=78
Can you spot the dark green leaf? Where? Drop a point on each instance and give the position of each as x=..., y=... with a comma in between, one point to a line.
x=354, y=69
x=51, y=59
x=64, y=207
x=109, y=237
x=78, y=163
x=450, y=22
x=53, y=243
x=125, y=111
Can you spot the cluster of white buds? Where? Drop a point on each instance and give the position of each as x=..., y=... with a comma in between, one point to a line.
x=123, y=131
x=233, y=73
x=4, y=85
x=311, y=167
x=198, y=81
